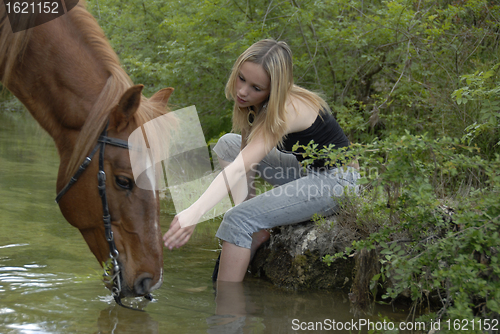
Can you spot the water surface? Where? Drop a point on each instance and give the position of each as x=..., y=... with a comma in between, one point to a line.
x=51, y=283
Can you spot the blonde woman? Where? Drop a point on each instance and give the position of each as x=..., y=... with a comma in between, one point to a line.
x=272, y=114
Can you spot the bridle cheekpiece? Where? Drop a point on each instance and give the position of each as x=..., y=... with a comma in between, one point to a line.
x=112, y=272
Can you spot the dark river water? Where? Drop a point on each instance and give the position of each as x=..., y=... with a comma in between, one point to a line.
x=51, y=283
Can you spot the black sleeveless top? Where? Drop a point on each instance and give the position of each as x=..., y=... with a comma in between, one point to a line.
x=324, y=132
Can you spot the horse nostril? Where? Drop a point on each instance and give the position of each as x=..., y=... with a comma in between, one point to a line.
x=143, y=284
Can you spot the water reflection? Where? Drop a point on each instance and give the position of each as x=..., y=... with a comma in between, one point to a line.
x=255, y=306
x=233, y=310
x=29, y=281
x=252, y=306
x=116, y=319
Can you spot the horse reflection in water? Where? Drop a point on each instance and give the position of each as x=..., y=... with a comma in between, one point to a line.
x=68, y=77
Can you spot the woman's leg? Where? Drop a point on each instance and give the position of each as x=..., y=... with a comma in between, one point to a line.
x=291, y=203
x=234, y=262
x=258, y=238
x=227, y=148
x=277, y=168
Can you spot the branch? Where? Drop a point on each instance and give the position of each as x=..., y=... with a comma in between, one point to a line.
x=241, y=10
x=294, y=2
x=408, y=61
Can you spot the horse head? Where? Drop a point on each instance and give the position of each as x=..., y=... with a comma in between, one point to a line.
x=134, y=211
x=71, y=81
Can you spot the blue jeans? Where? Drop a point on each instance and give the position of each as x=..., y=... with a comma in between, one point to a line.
x=298, y=194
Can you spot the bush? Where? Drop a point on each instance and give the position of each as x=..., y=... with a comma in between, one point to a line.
x=431, y=210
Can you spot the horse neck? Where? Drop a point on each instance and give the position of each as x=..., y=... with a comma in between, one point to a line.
x=58, y=80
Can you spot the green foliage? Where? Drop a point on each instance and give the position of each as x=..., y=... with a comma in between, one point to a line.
x=329, y=259
x=383, y=66
x=5, y=95
x=481, y=96
x=426, y=249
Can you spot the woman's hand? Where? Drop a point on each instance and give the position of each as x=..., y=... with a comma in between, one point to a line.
x=177, y=236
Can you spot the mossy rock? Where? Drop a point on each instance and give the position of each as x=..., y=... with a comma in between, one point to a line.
x=292, y=258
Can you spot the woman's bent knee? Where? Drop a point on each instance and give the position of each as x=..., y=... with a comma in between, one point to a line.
x=235, y=230
x=228, y=147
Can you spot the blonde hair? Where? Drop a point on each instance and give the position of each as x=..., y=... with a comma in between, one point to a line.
x=276, y=59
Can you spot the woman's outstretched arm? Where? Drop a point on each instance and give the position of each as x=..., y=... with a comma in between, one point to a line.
x=183, y=224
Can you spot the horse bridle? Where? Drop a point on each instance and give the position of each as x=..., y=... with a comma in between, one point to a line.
x=112, y=272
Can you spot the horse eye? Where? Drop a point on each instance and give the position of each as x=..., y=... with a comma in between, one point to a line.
x=124, y=182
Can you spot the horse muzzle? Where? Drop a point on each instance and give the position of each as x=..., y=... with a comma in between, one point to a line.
x=142, y=285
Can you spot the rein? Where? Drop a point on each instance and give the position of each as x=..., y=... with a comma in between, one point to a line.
x=112, y=272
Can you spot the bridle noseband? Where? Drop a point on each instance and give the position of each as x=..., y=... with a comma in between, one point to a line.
x=112, y=272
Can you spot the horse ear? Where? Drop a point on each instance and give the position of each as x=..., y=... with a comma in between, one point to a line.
x=162, y=96
x=126, y=108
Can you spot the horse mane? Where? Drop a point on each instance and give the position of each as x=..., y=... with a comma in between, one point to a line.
x=13, y=45
x=116, y=84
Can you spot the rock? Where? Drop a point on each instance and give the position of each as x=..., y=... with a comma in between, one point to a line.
x=292, y=258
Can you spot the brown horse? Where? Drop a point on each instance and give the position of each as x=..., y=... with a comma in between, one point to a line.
x=70, y=80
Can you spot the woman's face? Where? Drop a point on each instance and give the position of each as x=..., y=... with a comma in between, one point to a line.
x=252, y=86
